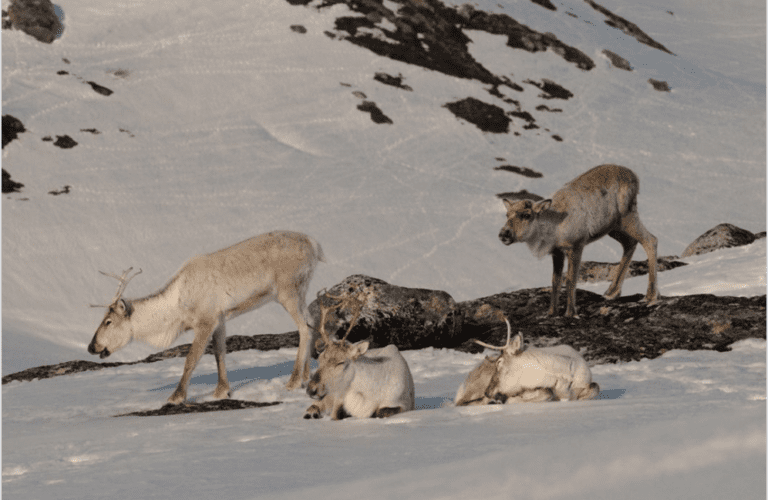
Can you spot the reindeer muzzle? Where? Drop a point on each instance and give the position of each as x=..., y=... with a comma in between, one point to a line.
x=102, y=354
x=506, y=237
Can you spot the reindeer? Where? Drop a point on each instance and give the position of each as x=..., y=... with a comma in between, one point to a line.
x=473, y=390
x=210, y=289
x=353, y=381
x=601, y=201
x=528, y=375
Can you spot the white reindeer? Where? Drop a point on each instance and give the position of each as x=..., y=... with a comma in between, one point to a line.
x=528, y=375
x=601, y=201
x=210, y=289
x=353, y=381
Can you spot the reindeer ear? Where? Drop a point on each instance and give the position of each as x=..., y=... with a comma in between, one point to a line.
x=319, y=345
x=122, y=307
x=516, y=346
x=360, y=348
x=541, y=206
x=507, y=204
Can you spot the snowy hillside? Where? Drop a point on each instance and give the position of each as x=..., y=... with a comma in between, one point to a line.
x=225, y=123
x=228, y=119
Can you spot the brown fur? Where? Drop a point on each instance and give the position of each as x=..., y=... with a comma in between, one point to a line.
x=601, y=201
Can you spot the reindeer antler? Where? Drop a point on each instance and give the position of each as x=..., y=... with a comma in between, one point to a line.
x=121, y=287
x=353, y=300
x=489, y=346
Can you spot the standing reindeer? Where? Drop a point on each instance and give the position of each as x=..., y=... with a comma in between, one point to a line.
x=210, y=289
x=353, y=381
x=528, y=375
x=599, y=202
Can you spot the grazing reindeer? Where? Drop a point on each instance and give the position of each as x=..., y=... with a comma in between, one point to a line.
x=600, y=201
x=209, y=290
x=352, y=381
x=529, y=375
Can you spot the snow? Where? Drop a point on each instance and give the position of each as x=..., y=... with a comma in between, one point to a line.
x=224, y=123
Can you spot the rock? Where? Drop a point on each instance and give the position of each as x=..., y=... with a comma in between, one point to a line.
x=64, y=142
x=486, y=117
x=720, y=236
x=627, y=27
x=519, y=195
x=623, y=329
x=659, y=85
x=377, y=115
x=590, y=272
x=551, y=89
x=99, y=89
x=36, y=18
x=394, y=81
x=12, y=127
x=410, y=318
x=617, y=60
x=195, y=407
x=524, y=171
x=9, y=185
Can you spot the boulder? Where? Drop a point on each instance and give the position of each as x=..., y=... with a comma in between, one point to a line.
x=36, y=18
x=720, y=236
x=410, y=318
x=590, y=272
x=623, y=329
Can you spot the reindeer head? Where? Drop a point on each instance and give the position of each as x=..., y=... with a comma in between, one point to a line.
x=502, y=381
x=115, y=330
x=335, y=354
x=521, y=217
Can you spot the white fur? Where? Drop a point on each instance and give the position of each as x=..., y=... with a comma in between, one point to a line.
x=210, y=289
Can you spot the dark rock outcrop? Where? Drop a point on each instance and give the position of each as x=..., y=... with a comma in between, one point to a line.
x=486, y=117
x=12, y=127
x=623, y=329
x=410, y=318
x=377, y=115
x=659, y=85
x=590, y=272
x=721, y=236
x=617, y=60
x=627, y=27
x=36, y=18
x=206, y=406
x=9, y=185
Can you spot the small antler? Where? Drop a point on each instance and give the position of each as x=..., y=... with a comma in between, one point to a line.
x=509, y=336
x=356, y=303
x=121, y=287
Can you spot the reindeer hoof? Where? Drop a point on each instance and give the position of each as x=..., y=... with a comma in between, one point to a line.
x=313, y=412
x=176, y=399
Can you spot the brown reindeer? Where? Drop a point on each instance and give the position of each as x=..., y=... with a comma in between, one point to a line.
x=599, y=202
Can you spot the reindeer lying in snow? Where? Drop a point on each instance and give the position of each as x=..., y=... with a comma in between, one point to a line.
x=209, y=290
x=527, y=375
x=353, y=381
x=600, y=201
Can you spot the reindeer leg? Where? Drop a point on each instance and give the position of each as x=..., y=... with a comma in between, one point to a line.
x=574, y=262
x=219, y=351
x=203, y=332
x=300, y=374
x=558, y=258
x=632, y=226
x=629, y=244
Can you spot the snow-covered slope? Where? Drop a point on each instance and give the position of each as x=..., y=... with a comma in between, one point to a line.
x=224, y=123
